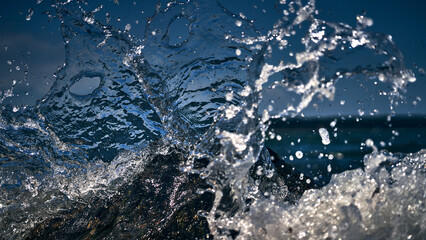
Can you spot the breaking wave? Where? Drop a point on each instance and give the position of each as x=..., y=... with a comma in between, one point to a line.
x=186, y=116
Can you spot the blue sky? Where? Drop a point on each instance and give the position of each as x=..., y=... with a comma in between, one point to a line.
x=36, y=48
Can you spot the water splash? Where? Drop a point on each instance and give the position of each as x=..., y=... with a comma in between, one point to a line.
x=361, y=205
x=210, y=90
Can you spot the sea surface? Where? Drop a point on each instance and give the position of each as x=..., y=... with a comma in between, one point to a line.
x=348, y=141
x=195, y=130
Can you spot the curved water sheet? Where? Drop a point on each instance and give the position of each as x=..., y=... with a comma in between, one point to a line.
x=97, y=156
x=190, y=80
x=116, y=115
x=85, y=138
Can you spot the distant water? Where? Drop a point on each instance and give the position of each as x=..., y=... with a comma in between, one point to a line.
x=301, y=145
x=166, y=135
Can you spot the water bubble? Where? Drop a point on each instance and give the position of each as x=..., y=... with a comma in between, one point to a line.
x=238, y=52
x=329, y=168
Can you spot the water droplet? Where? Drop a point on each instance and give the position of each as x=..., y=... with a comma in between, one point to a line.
x=30, y=14
x=364, y=21
x=229, y=96
x=128, y=27
x=89, y=20
x=259, y=171
x=269, y=173
x=324, y=136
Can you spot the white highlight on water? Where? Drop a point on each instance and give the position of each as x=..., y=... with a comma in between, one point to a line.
x=325, y=137
x=299, y=154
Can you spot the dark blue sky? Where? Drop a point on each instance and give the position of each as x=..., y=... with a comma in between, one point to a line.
x=35, y=47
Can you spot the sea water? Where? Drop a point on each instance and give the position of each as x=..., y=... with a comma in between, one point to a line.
x=135, y=129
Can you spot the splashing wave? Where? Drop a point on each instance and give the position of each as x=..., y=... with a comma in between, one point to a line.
x=207, y=93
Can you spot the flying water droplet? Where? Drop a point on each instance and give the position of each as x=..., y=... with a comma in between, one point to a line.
x=325, y=138
x=299, y=154
x=30, y=14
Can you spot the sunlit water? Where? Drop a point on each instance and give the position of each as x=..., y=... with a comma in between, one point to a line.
x=158, y=123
